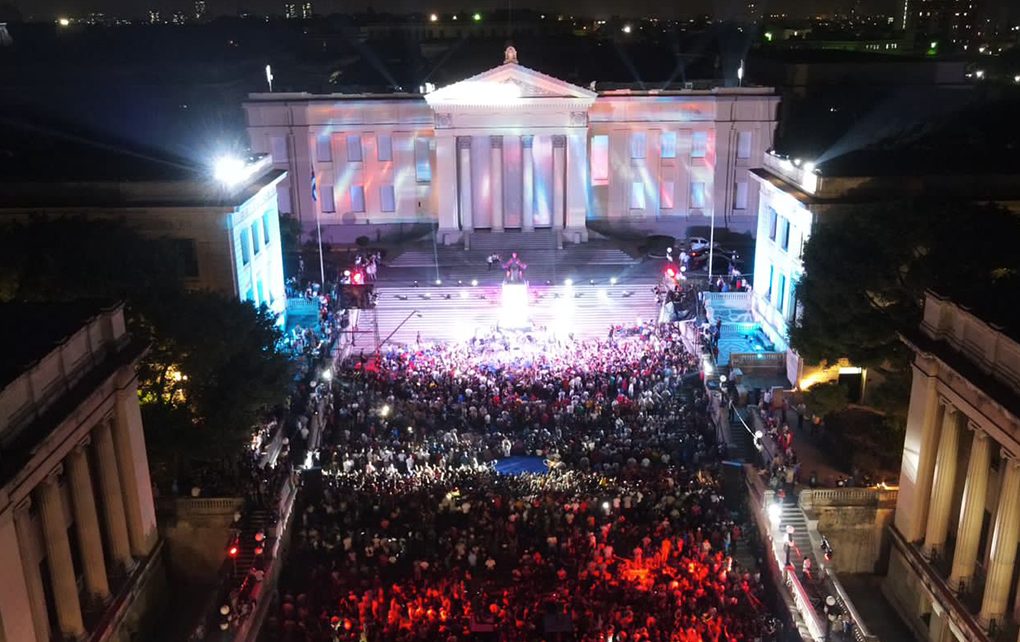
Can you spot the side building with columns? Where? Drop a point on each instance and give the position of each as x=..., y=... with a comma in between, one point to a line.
x=79, y=551
x=953, y=568
x=515, y=149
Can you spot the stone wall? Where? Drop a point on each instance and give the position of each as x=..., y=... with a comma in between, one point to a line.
x=855, y=521
x=197, y=532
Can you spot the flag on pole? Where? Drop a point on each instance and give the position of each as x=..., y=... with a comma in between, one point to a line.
x=315, y=188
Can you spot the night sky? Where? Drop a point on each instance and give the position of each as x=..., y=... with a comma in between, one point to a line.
x=595, y=8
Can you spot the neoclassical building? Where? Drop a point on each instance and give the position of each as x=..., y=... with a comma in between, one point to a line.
x=78, y=541
x=514, y=149
x=953, y=567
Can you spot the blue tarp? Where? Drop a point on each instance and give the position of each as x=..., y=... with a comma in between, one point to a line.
x=520, y=465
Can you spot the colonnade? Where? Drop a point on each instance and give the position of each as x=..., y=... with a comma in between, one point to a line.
x=113, y=527
x=938, y=478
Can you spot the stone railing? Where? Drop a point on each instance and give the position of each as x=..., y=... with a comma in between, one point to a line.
x=188, y=506
x=861, y=631
x=877, y=496
x=758, y=360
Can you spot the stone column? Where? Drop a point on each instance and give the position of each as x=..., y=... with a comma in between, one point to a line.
x=577, y=184
x=942, y=486
x=559, y=182
x=58, y=558
x=445, y=184
x=972, y=509
x=1003, y=548
x=113, y=498
x=928, y=419
x=496, y=182
x=528, y=184
x=464, y=182
x=87, y=525
x=133, y=466
x=30, y=565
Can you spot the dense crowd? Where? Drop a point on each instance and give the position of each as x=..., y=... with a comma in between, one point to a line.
x=412, y=532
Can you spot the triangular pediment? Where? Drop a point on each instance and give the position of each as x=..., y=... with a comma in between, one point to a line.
x=507, y=83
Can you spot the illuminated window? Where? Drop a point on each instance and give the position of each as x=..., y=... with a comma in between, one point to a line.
x=422, y=168
x=323, y=149
x=354, y=149
x=265, y=228
x=326, y=198
x=740, y=196
x=357, y=198
x=697, y=195
x=637, y=145
x=384, y=151
x=256, y=238
x=699, y=144
x=261, y=291
x=387, y=199
x=666, y=189
x=773, y=220
x=781, y=293
x=637, y=196
x=245, y=247
x=669, y=144
x=784, y=236
x=744, y=145
x=600, y=159
x=278, y=146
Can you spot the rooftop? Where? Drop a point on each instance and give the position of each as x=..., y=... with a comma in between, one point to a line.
x=30, y=331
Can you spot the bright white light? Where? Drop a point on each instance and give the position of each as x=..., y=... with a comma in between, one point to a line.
x=327, y=375
x=627, y=29
x=568, y=282
x=384, y=411
x=439, y=281
x=478, y=91
x=809, y=166
x=1016, y=78
x=229, y=170
x=722, y=378
x=309, y=460
x=603, y=295
x=775, y=512
x=515, y=306
x=433, y=18
x=740, y=72
x=796, y=162
x=463, y=294
x=980, y=73
x=474, y=282
x=64, y=22
x=612, y=281
x=605, y=506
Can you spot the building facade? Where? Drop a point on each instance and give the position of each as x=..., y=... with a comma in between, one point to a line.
x=228, y=238
x=78, y=539
x=953, y=566
x=512, y=148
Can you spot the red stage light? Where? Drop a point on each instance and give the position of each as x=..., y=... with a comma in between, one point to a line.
x=358, y=278
x=670, y=272
x=232, y=551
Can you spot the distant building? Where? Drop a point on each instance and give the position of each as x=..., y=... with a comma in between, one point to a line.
x=290, y=11
x=228, y=237
x=795, y=196
x=78, y=542
x=200, y=10
x=154, y=17
x=512, y=148
x=306, y=10
x=953, y=566
x=178, y=18
x=952, y=22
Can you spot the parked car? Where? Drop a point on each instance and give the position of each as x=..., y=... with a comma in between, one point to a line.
x=699, y=243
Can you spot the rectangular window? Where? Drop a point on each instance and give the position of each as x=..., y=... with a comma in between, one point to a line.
x=278, y=148
x=781, y=294
x=256, y=238
x=740, y=196
x=250, y=295
x=600, y=159
x=324, y=149
x=262, y=292
x=697, y=195
x=354, y=149
x=666, y=195
x=387, y=199
x=187, y=254
x=422, y=168
x=265, y=228
x=744, y=145
x=784, y=237
x=357, y=198
x=768, y=290
x=245, y=247
x=699, y=144
x=637, y=196
x=637, y=145
x=326, y=198
x=773, y=218
x=668, y=144
x=384, y=150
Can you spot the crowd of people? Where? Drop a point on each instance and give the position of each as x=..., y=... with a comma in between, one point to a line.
x=413, y=531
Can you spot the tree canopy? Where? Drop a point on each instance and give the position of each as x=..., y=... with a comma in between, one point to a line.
x=213, y=368
x=866, y=270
